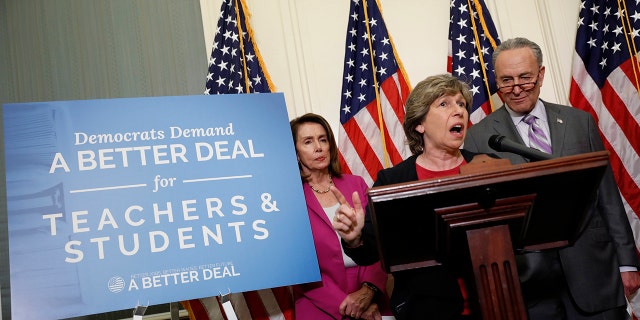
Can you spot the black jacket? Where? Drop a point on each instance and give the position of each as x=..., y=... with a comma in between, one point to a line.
x=433, y=291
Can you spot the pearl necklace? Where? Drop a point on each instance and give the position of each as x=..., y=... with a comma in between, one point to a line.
x=322, y=191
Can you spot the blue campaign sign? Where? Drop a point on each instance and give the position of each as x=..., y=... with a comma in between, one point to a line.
x=123, y=202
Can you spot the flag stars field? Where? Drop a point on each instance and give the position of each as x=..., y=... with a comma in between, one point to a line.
x=227, y=67
x=472, y=37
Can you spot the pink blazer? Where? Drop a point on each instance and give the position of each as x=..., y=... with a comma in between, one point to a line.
x=321, y=300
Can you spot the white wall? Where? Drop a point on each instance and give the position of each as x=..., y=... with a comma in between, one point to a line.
x=302, y=42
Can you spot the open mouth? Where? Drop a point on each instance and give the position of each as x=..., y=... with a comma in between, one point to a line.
x=456, y=129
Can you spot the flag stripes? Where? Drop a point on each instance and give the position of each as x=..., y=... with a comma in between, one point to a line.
x=605, y=83
x=374, y=92
x=266, y=304
x=624, y=155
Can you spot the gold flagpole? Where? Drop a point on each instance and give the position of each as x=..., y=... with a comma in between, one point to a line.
x=242, y=58
x=631, y=46
x=478, y=9
x=376, y=87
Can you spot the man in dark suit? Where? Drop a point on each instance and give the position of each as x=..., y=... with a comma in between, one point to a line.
x=588, y=280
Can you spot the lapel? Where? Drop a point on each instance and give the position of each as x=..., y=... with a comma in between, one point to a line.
x=557, y=127
x=503, y=125
x=328, y=247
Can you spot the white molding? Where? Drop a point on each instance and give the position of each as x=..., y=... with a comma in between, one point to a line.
x=298, y=68
x=552, y=61
x=210, y=10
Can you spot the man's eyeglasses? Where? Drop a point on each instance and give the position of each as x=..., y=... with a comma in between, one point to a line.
x=507, y=86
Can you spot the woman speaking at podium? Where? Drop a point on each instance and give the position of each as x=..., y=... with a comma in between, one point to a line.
x=435, y=125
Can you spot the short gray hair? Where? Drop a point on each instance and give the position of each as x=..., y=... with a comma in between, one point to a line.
x=517, y=43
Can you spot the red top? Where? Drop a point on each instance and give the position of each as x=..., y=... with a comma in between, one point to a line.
x=424, y=173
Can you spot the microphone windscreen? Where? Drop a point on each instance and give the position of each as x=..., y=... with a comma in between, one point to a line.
x=495, y=142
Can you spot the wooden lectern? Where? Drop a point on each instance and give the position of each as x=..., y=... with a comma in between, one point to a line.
x=484, y=214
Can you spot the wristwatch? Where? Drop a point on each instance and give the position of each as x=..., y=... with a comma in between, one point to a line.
x=371, y=286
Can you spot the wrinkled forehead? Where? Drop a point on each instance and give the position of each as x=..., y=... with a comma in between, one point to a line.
x=515, y=63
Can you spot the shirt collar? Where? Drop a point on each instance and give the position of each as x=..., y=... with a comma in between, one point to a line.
x=538, y=111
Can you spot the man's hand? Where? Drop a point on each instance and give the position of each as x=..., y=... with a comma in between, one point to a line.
x=631, y=282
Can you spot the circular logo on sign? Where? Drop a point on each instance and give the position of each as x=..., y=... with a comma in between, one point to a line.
x=116, y=284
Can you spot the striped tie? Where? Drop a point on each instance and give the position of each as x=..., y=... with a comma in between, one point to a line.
x=537, y=138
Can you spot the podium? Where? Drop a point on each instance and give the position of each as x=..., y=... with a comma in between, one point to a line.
x=480, y=217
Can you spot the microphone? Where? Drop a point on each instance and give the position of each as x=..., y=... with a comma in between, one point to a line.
x=501, y=143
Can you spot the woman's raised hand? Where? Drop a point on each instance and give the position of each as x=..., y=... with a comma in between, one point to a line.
x=348, y=221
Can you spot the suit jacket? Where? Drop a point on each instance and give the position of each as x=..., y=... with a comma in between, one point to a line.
x=591, y=265
x=321, y=300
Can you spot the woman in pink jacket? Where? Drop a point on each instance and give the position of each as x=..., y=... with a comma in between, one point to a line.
x=347, y=291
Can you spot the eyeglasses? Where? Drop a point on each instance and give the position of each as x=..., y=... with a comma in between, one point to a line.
x=505, y=87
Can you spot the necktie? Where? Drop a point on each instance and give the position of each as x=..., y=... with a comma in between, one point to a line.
x=537, y=138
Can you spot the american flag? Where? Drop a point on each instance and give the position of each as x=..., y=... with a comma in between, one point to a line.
x=472, y=38
x=605, y=82
x=235, y=66
x=374, y=92
x=266, y=304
